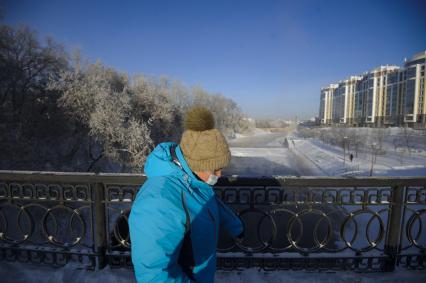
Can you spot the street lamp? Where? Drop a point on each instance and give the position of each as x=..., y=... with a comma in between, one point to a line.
x=374, y=149
x=344, y=150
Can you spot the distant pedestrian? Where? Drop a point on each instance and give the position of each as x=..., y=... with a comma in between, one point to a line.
x=285, y=143
x=351, y=157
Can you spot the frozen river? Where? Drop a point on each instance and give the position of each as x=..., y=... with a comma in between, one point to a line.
x=265, y=154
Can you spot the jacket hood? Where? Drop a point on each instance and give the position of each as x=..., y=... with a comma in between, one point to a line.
x=160, y=163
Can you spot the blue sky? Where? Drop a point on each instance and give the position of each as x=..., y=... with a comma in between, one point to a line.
x=271, y=57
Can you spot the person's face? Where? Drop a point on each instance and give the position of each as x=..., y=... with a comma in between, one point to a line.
x=204, y=175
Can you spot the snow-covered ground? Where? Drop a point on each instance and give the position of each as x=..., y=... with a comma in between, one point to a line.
x=29, y=273
x=253, y=275
x=264, y=153
x=330, y=160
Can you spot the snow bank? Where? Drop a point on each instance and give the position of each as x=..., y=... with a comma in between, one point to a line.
x=30, y=273
x=253, y=275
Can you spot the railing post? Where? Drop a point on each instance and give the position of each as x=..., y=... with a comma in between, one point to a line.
x=395, y=223
x=100, y=236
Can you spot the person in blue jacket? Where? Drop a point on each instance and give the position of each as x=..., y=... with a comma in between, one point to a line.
x=175, y=218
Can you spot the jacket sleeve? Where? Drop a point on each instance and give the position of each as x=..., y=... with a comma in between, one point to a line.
x=229, y=220
x=156, y=225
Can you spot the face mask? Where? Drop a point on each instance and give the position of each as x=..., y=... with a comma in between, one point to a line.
x=212, y=180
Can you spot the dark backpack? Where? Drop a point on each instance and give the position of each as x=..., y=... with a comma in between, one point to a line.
x=186, y=256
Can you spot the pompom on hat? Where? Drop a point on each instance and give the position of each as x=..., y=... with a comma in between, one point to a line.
x=204, y=147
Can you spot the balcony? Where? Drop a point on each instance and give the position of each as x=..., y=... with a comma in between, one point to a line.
x=360, y=224
x=409, y=118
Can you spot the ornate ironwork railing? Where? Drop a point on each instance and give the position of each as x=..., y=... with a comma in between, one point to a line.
x=363, y=224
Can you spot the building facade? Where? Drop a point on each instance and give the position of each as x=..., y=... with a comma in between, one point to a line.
x=413, y=100
x=326, y=104
x=376, y=94
x=384, y=96
x=393, y=104
x=338, y=107
x=349, y=100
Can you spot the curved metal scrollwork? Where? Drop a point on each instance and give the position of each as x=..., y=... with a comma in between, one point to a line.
x=45, y=214
x=318, y=244
x=74, y=236
x=371, y=243
x=287, y=226
x=19, y=225
x=313, y=221
x=120, y=237
x=414, y=229
x=261, y=244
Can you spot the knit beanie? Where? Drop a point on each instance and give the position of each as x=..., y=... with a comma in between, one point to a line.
x=204, y=147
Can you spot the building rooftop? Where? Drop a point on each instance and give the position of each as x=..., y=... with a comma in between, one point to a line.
x=385, y=68
x=419, y=58
x=330, y=86
x=421, y=55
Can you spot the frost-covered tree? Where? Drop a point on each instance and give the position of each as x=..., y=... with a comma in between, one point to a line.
x=152, y=104
x=63, y=114
x=356, y=140
x=228, y=116
x=25, y=68
x=180, y=96
x=99, y=98
x=407, y=136
x=31, y=124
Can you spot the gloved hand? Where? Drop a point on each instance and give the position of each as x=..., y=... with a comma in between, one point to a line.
x=240, y=237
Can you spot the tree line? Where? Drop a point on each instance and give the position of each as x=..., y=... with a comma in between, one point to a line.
x=61, y=112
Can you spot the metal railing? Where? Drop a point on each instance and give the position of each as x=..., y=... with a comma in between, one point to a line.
x=363, y=224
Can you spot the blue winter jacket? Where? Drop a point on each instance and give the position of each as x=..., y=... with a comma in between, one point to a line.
x=157, y=221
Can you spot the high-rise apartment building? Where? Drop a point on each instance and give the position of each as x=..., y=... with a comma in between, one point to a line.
x=376, y=94
x=338, y=107
x=349, y=100
x=393, y=105
x=326, y=104
x=414, y=81
x=385, y=96
x=360, y=95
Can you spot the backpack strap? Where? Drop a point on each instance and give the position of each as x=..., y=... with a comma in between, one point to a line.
x=188, y=218
x=185, y=207
x=174, y=156
x=186, y=253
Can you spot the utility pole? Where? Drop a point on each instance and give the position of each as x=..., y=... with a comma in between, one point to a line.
x=373, y=157
x=344, y=150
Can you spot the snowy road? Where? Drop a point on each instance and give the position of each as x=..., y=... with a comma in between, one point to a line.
x=261, y=139
x=265, y=155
